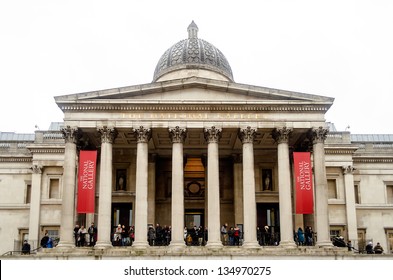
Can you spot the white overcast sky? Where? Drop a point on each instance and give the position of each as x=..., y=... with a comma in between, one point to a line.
x=341, y=49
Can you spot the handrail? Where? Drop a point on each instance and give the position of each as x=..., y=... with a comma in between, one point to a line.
x=34, y=251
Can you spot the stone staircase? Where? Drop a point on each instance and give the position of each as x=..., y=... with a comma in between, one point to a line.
x=198, y=253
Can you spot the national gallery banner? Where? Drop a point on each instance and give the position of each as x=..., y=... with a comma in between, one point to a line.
x=304, y=191
x=86, y=181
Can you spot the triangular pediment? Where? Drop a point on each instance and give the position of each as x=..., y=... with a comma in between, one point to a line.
x=193, y=89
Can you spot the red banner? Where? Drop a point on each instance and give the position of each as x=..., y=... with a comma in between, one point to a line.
x=86, y=181
x=304, y=189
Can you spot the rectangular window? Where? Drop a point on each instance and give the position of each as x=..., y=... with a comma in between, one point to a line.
x=361, y=242
x=334, y=233
x=337, y=236
x=332, y=189
x=54, y=188
x=53, y=233
x=390, y=241
x=28, y=193
x=23, y=235
x=389, y=194
x=357, y=197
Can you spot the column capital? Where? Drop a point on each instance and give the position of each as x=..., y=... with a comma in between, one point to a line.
x=71, y=134
x=177, y=134
x=247, y=135
x=142, y=134
x=37, y=169
x=108, y=134
x=281, y=135
x=349, y=169
x=212, y=135
x=318, y=135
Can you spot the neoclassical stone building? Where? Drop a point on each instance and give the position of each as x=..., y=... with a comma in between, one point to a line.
x=193, y=147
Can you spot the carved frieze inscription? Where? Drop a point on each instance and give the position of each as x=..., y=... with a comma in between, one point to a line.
x=191, y=116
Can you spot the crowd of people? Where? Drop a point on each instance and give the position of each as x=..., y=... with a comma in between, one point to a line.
x=304, y=238
x=377, y=249
x=196, y=236
x=123, y=236
x=85, y=237
x=161, y=235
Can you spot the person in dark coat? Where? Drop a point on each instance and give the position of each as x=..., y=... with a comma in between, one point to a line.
x=44, y=240
x=378, y=249
x=26, y=248
x=369, y=248
x=151, y=236
x=92, y=234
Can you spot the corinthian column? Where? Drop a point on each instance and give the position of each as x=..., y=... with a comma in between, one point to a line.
x=108, y=135
x=321, y=193
x=71, y=136
x=35, y=206
x=177, y=136
x=247, y=136
x=142, y=136
x=281, y=136
x=350, y=202
x=212, y=136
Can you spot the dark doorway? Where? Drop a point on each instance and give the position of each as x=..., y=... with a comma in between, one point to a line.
x=194, y=217
x=121, y=214
x=268, y=221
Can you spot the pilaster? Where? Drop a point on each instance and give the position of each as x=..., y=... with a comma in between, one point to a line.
x=35, y=206
x=350, y=202
x=151, y=192
x=238, y=189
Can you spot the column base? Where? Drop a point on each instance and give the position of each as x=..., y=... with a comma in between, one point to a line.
x=177, y=244
x=287, y=244
x=214, y=244
x=177, y=247
x=251, y=245
x=324, y=244
x=64, y=245
x=103, y=245
x=140, y=245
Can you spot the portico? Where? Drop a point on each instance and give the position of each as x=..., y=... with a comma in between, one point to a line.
x=261, y=132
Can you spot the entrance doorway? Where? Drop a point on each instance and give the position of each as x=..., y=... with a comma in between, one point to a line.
x=121, y=214
x=268, y=221
x=194, y=217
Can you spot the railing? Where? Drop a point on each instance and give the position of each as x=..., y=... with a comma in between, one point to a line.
x=11, y=253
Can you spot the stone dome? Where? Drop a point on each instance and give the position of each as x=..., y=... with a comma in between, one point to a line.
x=193, y=53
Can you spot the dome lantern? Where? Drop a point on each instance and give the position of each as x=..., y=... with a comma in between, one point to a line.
x=192, y=31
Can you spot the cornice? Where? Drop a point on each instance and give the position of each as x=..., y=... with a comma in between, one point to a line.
x=340, y=150
x=373, y=159
x=16, y=159
x=47, y=150
x=15, y=207
x=172, y=106
x=374, y=207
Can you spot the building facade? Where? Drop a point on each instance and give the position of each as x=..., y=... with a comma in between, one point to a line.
x=195, y=148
